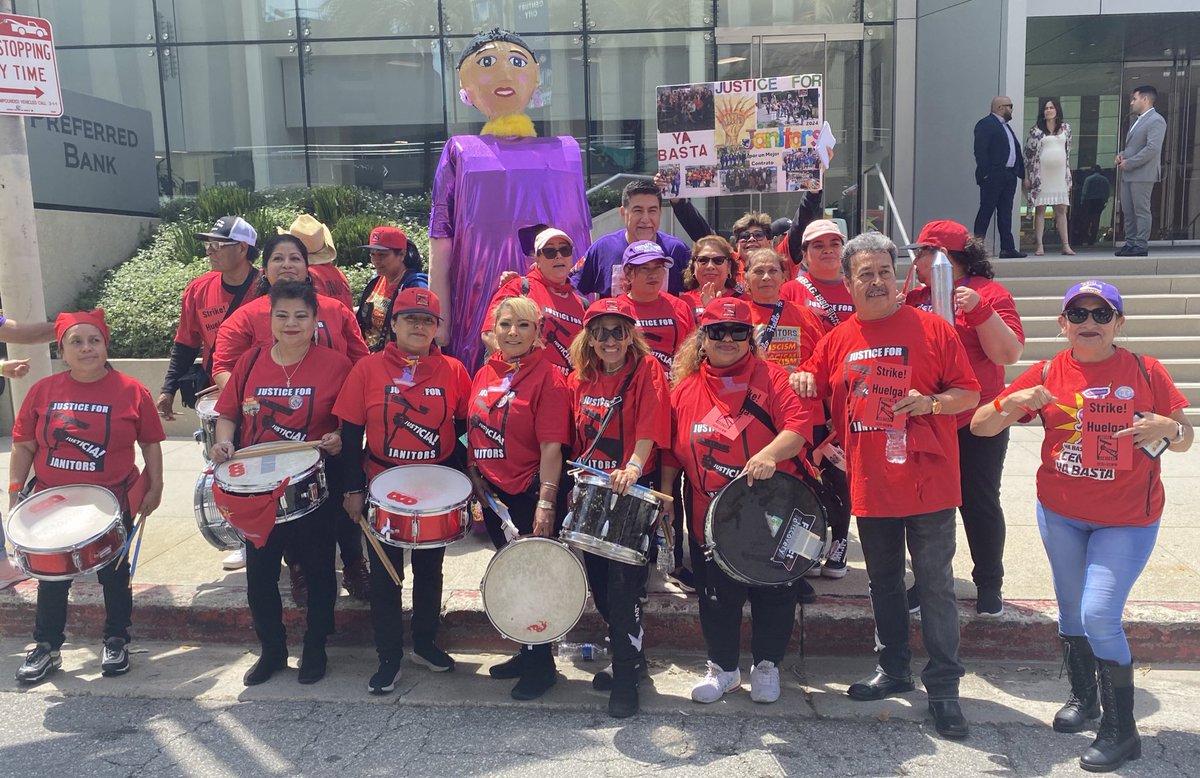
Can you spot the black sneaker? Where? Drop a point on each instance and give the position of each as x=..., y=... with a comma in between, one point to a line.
x=39, y=662
x=988, y=602
x=835, y=560
x=115, y=657
x=509, y=668
x=431, y=656
x=805, y=594
x=914, y=602
x=384, y=680
x=682, y=578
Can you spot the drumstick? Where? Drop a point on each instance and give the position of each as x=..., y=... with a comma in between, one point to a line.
x=129, y=540
x=282, y=448
x=208, y=391
x=374, y=541
x=594, y=471
x=136, y=550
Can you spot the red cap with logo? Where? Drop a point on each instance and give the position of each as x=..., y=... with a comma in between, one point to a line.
x=610, y=306
x=942, y=233
x=384, y=237
x=415, y=300
x=726, y=310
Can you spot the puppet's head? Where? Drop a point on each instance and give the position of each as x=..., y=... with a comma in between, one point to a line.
x=498, y=74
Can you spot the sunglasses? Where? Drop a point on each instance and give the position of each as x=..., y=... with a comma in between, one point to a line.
x=550, y=252
x=716, y=261
x=736, y=332
x=603, y=334
x=1080, y=315
x=217, y=245
x=751, y=235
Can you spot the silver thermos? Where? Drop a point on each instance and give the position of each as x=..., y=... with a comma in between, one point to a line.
x=941, y=285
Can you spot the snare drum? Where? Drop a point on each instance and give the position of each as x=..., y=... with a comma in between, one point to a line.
x=766, y=535
x=206, y=409
x=419, y=506
x=534, y=590
x=62, y=533
x=212, y=525
x=616, y=528
x=262, y=474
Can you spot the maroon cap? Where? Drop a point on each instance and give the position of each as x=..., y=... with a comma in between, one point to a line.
x=726, y=310
x=392, y=238
x=610, y=306
x=415, y=300
x=942, y=233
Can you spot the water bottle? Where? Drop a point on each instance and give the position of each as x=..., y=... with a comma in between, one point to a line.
x=896, y=449
x=586, y=651
x=666, y=555
x=941, y=287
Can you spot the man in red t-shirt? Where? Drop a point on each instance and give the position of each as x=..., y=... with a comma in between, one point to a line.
x=895, y=377
x=662, y=318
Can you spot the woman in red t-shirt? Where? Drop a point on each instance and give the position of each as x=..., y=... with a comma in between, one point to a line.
x=1105, y=411
x=613, y=361
x=520, y=421
x=285, y=392
x=712, y=272
x=718, y=375
x=664, y=319
x=786, y=338
x=80, y=427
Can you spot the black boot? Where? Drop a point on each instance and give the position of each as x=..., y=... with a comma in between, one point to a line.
x=1084, y=702
x=1117, y=738
x=313, y=662
x=538, y=674
x=623, y=699
x=509, y=668
x=270, y=661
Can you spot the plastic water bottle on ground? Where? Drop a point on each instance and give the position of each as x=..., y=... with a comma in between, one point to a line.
x=588, y=652
x=665, y=559
x=896, y=449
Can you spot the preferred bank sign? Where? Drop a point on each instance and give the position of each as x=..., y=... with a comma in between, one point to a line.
x=28, y=70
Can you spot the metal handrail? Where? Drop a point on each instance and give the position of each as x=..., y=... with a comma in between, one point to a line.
x=891, y=203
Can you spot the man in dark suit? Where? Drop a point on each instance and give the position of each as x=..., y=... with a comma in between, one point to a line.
x=998, y=165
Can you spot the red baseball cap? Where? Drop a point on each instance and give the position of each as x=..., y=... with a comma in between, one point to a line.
x=942, y=233
x=416, y=300
x=610, y=306
x=726, y=310
x=383, y=237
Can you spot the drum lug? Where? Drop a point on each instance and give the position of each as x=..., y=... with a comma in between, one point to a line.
x=708, y=553
x=416, y=529
x=567, y=519
x=77, y=560
x=20, y=559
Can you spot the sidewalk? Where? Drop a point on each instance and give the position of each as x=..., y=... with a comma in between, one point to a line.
x=182, y=594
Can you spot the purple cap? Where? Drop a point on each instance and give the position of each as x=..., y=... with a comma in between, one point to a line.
x=642, y=251
x=1106, y=292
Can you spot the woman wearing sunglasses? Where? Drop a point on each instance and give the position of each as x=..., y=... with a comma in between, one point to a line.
x=723, y=398
x=711, y=273
x=519, y=423
x=1107, y=412
x=618, y=398
x=548, y=284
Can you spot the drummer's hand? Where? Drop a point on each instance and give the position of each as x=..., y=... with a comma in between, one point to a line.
x=222, y=451
x=150, y=502
x=543, y=522
x=14, y=368
x=622, y=479
x=331, y=443
x=759, y=467
x=803, y=384
x=507, y=276
x=166, y=406
x=478, y=486
x=353, y=503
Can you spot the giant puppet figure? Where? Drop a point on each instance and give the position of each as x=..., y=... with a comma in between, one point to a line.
x=490, y=185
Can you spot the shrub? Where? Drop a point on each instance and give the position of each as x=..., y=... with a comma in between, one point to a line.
x=227, y=200
x=603, y=200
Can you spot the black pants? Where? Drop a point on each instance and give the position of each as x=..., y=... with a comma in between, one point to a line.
x=996, y=196
x=387, y=613
x=346, y=531
x=616, y=587
x=981, y=463
x=51, y=620
x=772, y=614
x=1092, y=211
x=309, y=542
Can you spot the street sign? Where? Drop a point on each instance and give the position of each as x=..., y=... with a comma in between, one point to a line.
x=28, y=68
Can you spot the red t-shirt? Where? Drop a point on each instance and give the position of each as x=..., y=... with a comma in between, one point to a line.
x=709, y=457
x=205, y=301
x=330, y=281
x=512, y=412
x=833, y=305
x=85, y=433
x=561, y=306
x=692, y=298
x=258, y=395
x=993, y=297
x=796, y=334
x=641, y=415
x=928, y=481
x=408, y=406
x=250, y=326
x=1132, y=497
x=665, y=322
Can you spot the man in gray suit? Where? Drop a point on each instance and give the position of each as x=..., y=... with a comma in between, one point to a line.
x=1139, y=168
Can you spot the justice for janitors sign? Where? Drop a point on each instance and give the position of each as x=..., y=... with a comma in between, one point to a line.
x=99, y=155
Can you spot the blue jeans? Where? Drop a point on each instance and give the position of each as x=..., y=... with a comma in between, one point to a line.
x=930, y=540
x=1094, y=567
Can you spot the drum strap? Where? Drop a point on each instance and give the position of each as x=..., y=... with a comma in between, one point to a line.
x=830, y=313
x=764, y=340
x=612, y=409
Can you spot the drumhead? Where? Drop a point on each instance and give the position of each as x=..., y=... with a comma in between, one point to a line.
x=206, y=407
x=263, y=473
x=636, y=492
x=63, y=517
x=534, y=590
x=416, y=489
x=750, y=528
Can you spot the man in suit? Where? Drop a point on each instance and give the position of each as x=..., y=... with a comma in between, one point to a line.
x=1139, y=167
x=998, y=165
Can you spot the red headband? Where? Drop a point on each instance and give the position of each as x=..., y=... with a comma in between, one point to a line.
x=66, y=321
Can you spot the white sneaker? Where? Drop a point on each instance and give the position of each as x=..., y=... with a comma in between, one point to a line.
x=717, y=683
x=764, y=682
x=10, y=573
x=236, y=560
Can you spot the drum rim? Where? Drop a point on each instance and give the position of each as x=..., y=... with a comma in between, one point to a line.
x=582, y=608
x=21, y=557
x=265, y=488
x=636, y=491
x=202, y=525
x=418, y=514
x=13, y=514
x=593, y=545
x=433, y=510
x=465, y=522
x=206, y=416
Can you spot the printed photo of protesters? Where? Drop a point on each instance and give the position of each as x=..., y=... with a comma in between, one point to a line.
x=701, y=177
x=803, y=181
x=685, y=108
x=671, y=174
x=779, y=109
x=801, y=160
x=756, y=179
x=729, y=157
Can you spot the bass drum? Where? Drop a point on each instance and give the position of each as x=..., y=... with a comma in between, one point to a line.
x=769, y=534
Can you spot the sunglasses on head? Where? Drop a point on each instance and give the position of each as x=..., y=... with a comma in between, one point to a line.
x=717, y=261
x=736, y=332
x=602, y=334
x=1080, y=315
x=550, y=252
x=751, y=235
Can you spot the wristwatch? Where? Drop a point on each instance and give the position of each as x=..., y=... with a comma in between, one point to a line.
x=935, y=405
x=1179, y=431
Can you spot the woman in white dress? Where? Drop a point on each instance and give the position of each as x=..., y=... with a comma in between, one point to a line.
x=1048, y=171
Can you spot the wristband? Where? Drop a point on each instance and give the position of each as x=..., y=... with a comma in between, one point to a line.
x=979, y=314
x=545, y=505
x=552, y=486
x=999, y=408
x=16, y=486
x=631, y=463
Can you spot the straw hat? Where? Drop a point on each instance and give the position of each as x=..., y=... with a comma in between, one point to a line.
x=315, y=237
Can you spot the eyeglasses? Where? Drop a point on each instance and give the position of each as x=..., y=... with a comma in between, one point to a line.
x=550, y=252
x=217, y=245
x=750, y=235
x=603, y=334
x=716, y=261
x=417, y=320
x=736, y=332
x=1080, y=315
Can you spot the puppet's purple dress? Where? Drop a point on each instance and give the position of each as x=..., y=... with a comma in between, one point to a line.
x=485, y=189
